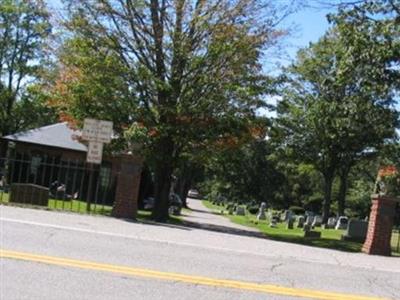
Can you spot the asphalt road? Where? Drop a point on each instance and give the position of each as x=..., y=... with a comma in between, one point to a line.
x=50, y=255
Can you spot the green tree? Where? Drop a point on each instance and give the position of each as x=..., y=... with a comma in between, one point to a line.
x=371, y=32
x=90, y=82
x=333, y=112
x=246, y=174
x=192, y=68
x=24, y=30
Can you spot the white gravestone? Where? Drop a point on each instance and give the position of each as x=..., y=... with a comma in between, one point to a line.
x=261, y=213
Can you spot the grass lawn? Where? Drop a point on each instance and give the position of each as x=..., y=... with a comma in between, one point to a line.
x=329, y=238
x=79, y=206
x=3, y=197
x=396, y=243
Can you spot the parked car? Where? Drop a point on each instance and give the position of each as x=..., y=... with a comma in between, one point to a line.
x=194, y=194
x=175, y=204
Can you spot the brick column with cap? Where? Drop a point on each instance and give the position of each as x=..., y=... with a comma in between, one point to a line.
x=127, y=169
x=380, y=226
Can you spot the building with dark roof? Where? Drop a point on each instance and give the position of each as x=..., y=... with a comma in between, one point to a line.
x=53, y=154
x=56, y=136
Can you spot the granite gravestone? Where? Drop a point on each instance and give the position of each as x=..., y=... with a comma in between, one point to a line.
x=261, y=212
x=331, y=223
x=317, y=221
x=290, y=223
x=300, y=221
x=356, y=230
x=342, y=223
x=240, y=211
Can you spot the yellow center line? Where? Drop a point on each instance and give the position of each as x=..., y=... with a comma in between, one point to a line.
x=249, y=286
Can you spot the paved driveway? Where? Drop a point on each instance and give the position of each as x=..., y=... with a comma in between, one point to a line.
x=202, y=217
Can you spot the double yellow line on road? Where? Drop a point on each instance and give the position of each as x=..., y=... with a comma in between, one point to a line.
x=248, y=286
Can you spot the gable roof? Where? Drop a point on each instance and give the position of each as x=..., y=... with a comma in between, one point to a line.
x=57, y=135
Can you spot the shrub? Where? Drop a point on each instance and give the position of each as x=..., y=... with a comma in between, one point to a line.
x=230, y=205
x=253, y=210
x=250, y=204
x=297, y=210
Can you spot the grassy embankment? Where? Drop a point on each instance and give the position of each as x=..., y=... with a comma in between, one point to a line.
x=329, y=238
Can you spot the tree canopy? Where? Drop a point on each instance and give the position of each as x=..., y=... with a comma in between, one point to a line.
x=25, y=27
x=332, y=112
x=191, y=78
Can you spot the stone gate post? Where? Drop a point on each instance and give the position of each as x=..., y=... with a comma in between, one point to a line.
x=128, y=170
x=380, y=225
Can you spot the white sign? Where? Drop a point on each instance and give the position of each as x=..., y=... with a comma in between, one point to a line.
x=97, y=130
x=95, y=152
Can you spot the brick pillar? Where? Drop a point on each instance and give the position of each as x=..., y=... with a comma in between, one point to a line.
x=127, y=169
x=380, y=226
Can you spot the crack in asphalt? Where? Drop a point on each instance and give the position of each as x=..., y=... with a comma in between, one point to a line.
x=275, y=266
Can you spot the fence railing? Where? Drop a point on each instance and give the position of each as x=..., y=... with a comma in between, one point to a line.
x=58, y=184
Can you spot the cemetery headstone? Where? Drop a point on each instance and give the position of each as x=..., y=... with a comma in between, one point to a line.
x=331, y=223
x=317, y=221
x=342, y=223
x=356, y=230
x=273, y=223
x=261, y=213
x=230, y=210
x=286, y=215
x=240, y=211
x=300, y=222
x=312, y=234
x=310, y=220
x=308, y=213
x=290, y=223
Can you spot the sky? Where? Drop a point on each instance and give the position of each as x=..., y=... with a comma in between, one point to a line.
x=308, y=25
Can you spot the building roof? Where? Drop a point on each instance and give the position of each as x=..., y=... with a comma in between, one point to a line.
x=57, y=135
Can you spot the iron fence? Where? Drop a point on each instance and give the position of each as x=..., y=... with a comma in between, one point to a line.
x=58, y=184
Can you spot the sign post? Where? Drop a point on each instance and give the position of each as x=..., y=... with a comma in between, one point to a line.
x=97, y=133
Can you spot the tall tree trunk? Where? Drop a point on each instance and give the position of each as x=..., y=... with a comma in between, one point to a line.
x=343, y=190
x=184, y=182
x=328, y=181
x=163, y=178
x=183, y=189
x=180, y=189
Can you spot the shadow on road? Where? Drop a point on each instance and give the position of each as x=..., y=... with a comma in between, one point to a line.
x=204, y=212
x=223, y=229
x=189, y=225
